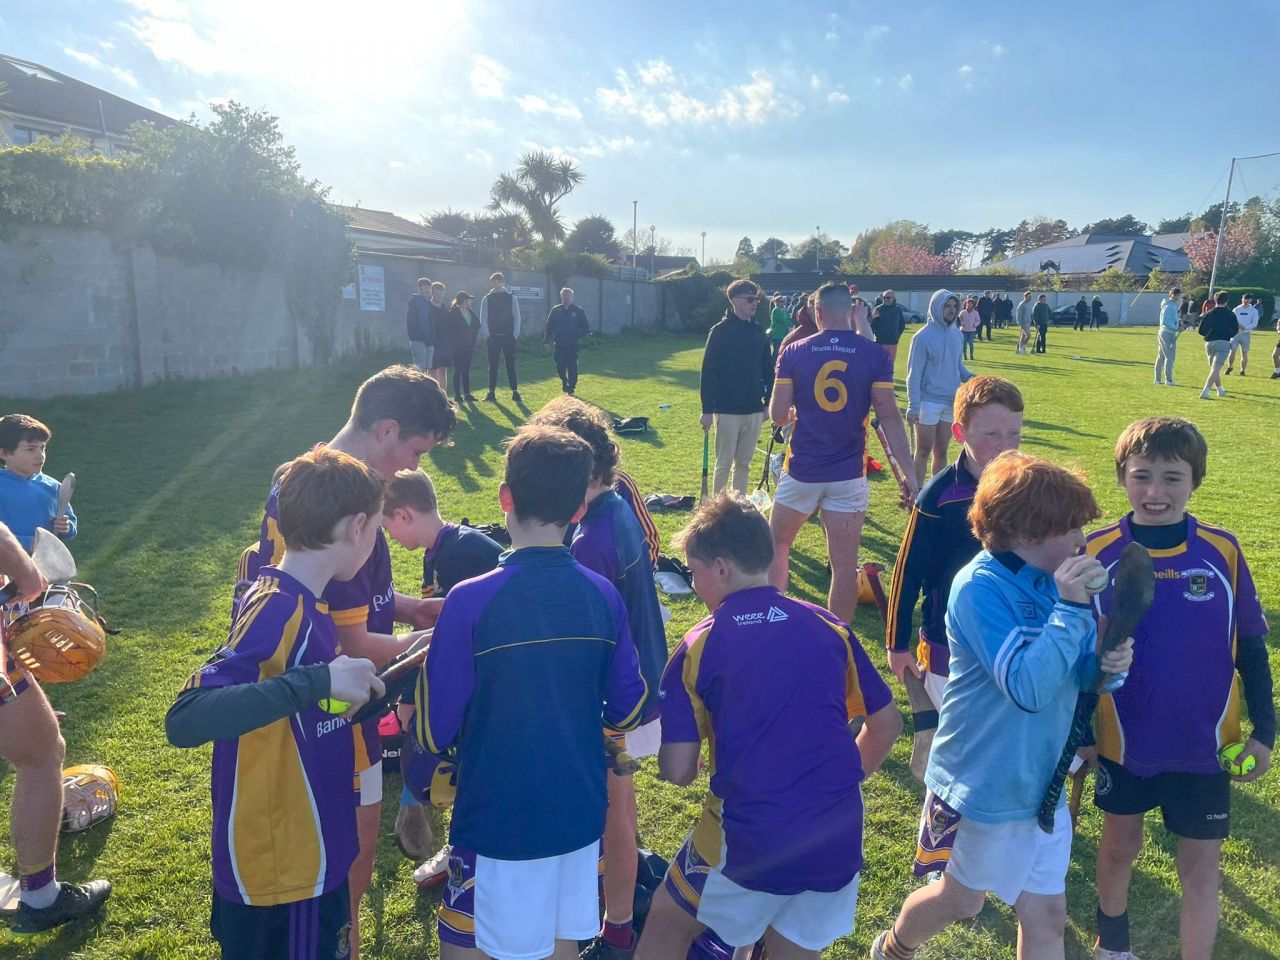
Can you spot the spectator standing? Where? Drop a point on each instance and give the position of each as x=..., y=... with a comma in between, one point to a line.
x=1082, y=313
x=441, y=355
x=566, y=326
x=500, y=326
x=1040, y=316
x=1247, y=317
x=1095, y=318
x=986, y=309
x=1004, y=311
x=737, y=371
x=779, y=326
x=1170, y=327
x=1184, y=312
x=1218, y=327
x=1023, y=314
x=861, y=314
x=805, y=326
x=464, y=330
x=970, y=324
x=887, y=323
x=418, y=325
x=935, y=370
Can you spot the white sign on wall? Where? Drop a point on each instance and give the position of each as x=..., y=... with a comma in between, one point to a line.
x=348, y=291
x=373, y=291
x=526, y=293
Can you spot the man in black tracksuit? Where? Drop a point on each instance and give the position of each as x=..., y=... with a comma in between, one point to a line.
x=1082, y=313
x=737, y=371
x=566, y=326
x=500, y=325
x=986, y=308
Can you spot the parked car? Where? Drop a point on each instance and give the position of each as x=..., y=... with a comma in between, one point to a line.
x=1066, y=316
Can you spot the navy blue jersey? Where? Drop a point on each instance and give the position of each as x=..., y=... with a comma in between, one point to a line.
x=458, y=554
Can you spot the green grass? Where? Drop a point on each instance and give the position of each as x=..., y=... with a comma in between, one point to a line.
x=171, y=483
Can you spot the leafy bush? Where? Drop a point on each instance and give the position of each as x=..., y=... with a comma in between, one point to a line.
x=698, y=297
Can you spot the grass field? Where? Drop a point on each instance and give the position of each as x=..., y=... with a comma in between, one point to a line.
x=171, y=484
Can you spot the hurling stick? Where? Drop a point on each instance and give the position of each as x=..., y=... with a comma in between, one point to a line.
x=706, y=463
x=65, y=489
x=1134, y=589
x=924, y=720
x=397, y=677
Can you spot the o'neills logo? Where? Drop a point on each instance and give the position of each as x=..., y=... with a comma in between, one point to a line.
x=772, y=615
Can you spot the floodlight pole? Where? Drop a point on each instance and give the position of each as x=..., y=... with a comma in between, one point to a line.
x=704, y=249
x=634, y=237
x=1222, y=226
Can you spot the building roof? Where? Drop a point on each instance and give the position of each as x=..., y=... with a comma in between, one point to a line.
x=388, y=224
x=1094, y=253
x=43, y=94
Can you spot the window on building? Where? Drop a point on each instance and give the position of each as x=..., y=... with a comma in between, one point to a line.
x=25, y=135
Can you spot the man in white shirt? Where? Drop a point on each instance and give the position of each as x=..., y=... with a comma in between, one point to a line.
x=1247, y=317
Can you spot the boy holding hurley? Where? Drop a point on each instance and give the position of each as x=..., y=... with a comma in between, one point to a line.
x=284, y=815
x=1022, y=648
x=1160, y=737
x=772, y=684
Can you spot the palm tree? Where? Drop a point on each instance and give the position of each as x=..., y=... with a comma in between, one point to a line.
x=539, y=183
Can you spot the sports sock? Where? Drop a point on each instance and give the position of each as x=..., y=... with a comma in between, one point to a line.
x=893, y=948
x=1113, y=932
x=39, y=888
x=620, y=935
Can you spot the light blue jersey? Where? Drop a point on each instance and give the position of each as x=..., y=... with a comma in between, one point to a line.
x=1019, y=657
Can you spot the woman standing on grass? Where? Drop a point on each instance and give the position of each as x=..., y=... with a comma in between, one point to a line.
x=463, y=329
x=970, y=320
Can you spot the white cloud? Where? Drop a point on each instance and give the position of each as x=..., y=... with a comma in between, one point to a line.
x=965, y=70
x=155, y=102
x=487, y=77
x=831, y=35
x=997, y=50
x=814, y=82
x=470, y=124
x=531, y=104
x=124, y=76
x=906, y=82
x=481, y=158
x=88, y=59
x=656, y=72
x=836, y=96
x=876, y=32
x=750, y=103
x=395, y=164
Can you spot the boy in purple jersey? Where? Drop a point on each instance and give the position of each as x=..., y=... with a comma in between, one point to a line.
x=526, y=664
x=1159, y=736
x=398, y=415
x=828, y=384
x=610, y=541
x=772, y=684
x=284, y=825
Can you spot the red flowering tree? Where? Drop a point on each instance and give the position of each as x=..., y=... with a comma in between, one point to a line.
x=1239, y=245
x=899, y=257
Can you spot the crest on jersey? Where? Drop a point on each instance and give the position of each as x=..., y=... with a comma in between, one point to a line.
x=1197, y=588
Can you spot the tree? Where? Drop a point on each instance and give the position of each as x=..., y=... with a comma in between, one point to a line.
x=957, y=244
x=1039, y=232
x=908, y=231
x=660, y=245
x=455, y=223
x=828, y=249
x=996, y=244
x=1175, y=224
x=1126, y=226
x=746, y=250
x=540, y=181
x=593, y=234
x=773, y=247
x=898, y=257
x=502, y=232
x=1239, y=245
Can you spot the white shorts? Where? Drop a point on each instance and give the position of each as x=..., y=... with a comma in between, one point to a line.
x=371, y=785
x=811, y=920
x=933, y=686
x=522, y=907
x=645, y=739
x=1242, y=340
x=838, y=496
x=1009, y=859
x=932, y=413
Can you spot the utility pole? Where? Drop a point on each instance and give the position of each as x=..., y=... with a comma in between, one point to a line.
x=704, y=249
x=1222, y=226
x=817, y=249
x=652, y=249
x=634, y=237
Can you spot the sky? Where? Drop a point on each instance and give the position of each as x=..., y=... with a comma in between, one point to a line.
x=750, y=118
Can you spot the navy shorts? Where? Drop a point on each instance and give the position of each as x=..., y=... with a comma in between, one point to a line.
x=316, y=929
x=1194, y=805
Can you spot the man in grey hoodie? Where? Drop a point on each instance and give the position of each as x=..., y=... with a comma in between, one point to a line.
x=935, y=370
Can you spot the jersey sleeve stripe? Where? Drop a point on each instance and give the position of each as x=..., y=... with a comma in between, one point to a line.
x=351, y=617
x=879, y=384
x=895, y=583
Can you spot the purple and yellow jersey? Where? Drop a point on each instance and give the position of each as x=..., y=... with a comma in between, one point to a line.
x=626, y=488
x=833, y=374
x=1181, y=702
x=284, y=825
x=772, y=683
x=369, y=596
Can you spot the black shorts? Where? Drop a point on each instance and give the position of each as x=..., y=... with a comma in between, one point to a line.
x=316, y=929
x=1193, y=805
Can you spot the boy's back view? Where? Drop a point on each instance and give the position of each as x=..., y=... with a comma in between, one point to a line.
x=526, y=664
